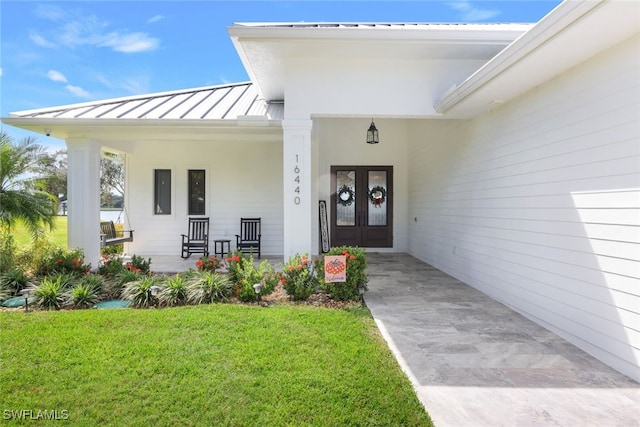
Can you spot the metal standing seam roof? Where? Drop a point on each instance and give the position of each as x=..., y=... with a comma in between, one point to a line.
x=222, y=102
x=383, y=25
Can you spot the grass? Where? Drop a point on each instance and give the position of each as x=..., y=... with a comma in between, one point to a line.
x=219, y=364
x=58, y=235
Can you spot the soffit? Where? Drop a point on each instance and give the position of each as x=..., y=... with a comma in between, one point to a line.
x=567, y=36
x=265, y=49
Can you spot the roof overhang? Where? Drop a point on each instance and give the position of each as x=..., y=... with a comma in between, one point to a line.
x=128, y=130
x=265, y=49
x=571, y=33
x=229, y=109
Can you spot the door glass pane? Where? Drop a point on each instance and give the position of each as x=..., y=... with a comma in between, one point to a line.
x=346, y=198
x=196, y=192
x=377, y=195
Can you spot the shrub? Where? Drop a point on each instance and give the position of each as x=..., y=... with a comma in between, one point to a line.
x=63, y=261
x=140, y=292
x=30, y=257
x=269, y=282
x=139, y=265
x=12, y=281
x=111, y=266
x=246, y=275
x=298, y=278
x=234, y=266
x=356, y=276
x=175, y=291
x=206, y=287
x=50, y=293
x=211, y=263
x=7, y=252
x=111, y=250
x=126, y=276
x=83, y=295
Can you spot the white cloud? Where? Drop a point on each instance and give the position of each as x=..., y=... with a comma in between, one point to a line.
x=130, y=43
x=77, y=91
x=50, y=12
x=73, y=29
x=40, y=41
x=136, y=85
x=133, y=84
x=472, y=13
x=87, y=31
x=56, y=76
x=0, y=71
x=155, y=19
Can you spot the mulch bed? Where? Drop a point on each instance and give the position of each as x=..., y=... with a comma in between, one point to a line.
x=319, y=299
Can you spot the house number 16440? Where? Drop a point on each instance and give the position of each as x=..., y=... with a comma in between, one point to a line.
x=296, y=171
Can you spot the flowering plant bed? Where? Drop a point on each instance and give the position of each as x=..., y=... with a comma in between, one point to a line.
x=64, y=282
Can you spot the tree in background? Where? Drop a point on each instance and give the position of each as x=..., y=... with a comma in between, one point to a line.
x=111, y=180
x=21, y=195
x=52, y=169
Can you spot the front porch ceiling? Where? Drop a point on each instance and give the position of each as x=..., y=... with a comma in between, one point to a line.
x=139, y=130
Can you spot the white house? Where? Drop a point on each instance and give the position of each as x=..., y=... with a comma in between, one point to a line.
x=509, y=157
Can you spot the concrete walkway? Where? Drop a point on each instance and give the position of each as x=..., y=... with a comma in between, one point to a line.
x=475, y=362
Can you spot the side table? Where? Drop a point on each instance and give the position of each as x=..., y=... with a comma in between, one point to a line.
x=219, y=247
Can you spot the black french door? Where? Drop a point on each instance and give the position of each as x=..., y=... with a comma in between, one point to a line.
x=362, y=206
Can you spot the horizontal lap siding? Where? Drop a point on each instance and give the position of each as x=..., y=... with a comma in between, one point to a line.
x=243, y=179
x=537, y=203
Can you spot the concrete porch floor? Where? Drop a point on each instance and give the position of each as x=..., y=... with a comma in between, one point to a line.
x=474, y=361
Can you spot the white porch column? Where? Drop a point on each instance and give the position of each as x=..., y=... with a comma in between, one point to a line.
x=83, y=195
x=297, y=186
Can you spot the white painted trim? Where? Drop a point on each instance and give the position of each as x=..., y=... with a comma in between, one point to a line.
x=556, y=21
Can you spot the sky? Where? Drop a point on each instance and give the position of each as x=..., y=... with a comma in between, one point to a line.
x=63, y=52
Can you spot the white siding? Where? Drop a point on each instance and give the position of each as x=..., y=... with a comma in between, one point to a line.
x=537, y=204
x=244, y=179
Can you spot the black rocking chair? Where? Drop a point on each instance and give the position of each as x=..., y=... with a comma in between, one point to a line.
x=197, y=241
x=248, y=241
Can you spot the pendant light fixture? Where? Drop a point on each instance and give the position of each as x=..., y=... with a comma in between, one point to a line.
x=372, y=134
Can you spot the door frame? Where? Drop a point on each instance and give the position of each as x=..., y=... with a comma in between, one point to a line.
x=360, y=233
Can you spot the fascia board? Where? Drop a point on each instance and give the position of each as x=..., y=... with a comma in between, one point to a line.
x=432, y=32
x=98, y=128
x=557, y=20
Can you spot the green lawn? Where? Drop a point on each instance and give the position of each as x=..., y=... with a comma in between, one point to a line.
x=58, y=235
x=228, y=365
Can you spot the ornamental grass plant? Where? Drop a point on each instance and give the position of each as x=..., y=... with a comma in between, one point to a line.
x=82, y=295
x=140, y=292
x=175, y=291
x=206, y=287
